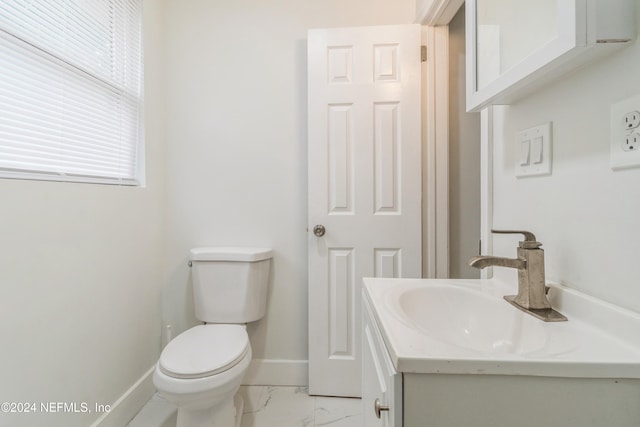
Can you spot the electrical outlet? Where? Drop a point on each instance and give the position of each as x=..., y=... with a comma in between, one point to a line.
x=625, y=138
x=631, y=142
x=631, y=120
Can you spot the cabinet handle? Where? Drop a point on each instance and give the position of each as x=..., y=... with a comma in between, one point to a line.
x=377, y=407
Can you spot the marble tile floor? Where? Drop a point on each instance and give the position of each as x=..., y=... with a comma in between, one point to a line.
x=270, y=406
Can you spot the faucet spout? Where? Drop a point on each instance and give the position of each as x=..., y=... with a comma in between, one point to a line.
x=489, y=261
x=532, y=289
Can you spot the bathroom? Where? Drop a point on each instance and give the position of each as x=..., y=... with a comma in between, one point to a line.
x=92, y=275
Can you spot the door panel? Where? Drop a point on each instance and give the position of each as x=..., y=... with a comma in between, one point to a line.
x=364, y=180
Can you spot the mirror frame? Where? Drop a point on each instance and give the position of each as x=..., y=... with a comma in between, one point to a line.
x=611, y=26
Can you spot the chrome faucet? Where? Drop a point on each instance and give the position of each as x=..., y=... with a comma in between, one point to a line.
x=532, y=289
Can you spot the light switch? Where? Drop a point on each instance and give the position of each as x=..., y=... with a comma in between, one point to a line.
x=536, y=150
x=524, y=152
x=533, y=148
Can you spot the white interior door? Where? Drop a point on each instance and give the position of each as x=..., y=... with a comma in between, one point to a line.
x=364, y=185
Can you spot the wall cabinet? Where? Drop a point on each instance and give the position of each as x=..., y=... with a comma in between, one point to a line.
x=513, y=48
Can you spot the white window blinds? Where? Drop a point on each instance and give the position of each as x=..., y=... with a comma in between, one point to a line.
x=71, y=90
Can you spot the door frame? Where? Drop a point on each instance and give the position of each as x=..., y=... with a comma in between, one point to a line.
x=435, y=157
x=435, y=16
x=437, y=12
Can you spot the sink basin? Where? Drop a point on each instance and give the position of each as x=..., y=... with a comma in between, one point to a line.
x=468, y=357
x=449, y=326
x=471, y=320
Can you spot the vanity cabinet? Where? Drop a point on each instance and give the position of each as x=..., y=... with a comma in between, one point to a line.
x=380, y=381
x=450, y=397
x=515, y=47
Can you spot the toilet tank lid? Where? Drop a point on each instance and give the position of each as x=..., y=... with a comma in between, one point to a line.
x=228, y=253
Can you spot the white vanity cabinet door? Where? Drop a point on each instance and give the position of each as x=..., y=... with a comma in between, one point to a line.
x=373, y=382
x=380, y=381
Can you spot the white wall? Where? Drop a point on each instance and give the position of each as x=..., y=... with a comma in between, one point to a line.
x=586, y=215
x=80, y=284
x=236, y=144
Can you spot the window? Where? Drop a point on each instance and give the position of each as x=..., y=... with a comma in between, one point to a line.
x=71, y=90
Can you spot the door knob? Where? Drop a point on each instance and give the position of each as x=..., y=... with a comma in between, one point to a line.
x=377, y=407
x=319, y=230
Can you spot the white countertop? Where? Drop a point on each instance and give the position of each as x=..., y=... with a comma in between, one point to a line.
x=599, y=340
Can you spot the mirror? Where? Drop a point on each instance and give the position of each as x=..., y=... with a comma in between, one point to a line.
x=506, y=35
x=517, y=47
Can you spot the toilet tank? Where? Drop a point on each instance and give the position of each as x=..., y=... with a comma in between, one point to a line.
x=230, y=283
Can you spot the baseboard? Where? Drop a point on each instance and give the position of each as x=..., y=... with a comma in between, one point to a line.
x=282, y=372
x=275, y=372
x=128, y=405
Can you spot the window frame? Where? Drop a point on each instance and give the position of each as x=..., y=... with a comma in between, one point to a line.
x=135, y=173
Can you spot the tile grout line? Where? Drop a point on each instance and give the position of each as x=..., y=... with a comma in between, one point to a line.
x=315, y=410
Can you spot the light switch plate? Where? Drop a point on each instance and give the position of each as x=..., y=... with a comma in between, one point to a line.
x=538, y=141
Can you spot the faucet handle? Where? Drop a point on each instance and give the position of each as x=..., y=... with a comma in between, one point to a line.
x=529, y=241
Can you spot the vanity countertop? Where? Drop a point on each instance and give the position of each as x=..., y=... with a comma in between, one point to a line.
x=465, y=327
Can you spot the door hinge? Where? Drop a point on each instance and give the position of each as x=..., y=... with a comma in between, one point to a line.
x=423, y=53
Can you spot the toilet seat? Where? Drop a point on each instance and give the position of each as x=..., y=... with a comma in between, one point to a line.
x=204, y=350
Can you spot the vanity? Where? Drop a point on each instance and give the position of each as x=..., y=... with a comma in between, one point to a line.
x=453, y=353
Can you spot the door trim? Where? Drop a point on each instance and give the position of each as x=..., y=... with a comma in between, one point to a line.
x=435, y=160
x=437, y=12
x=486, y=186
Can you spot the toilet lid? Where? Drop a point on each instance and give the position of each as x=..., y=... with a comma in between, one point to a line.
x=204, y=350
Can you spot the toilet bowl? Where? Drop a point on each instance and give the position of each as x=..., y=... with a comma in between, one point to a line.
x=200, y=371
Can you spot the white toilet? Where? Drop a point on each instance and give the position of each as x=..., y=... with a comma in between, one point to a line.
x=200, y=371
